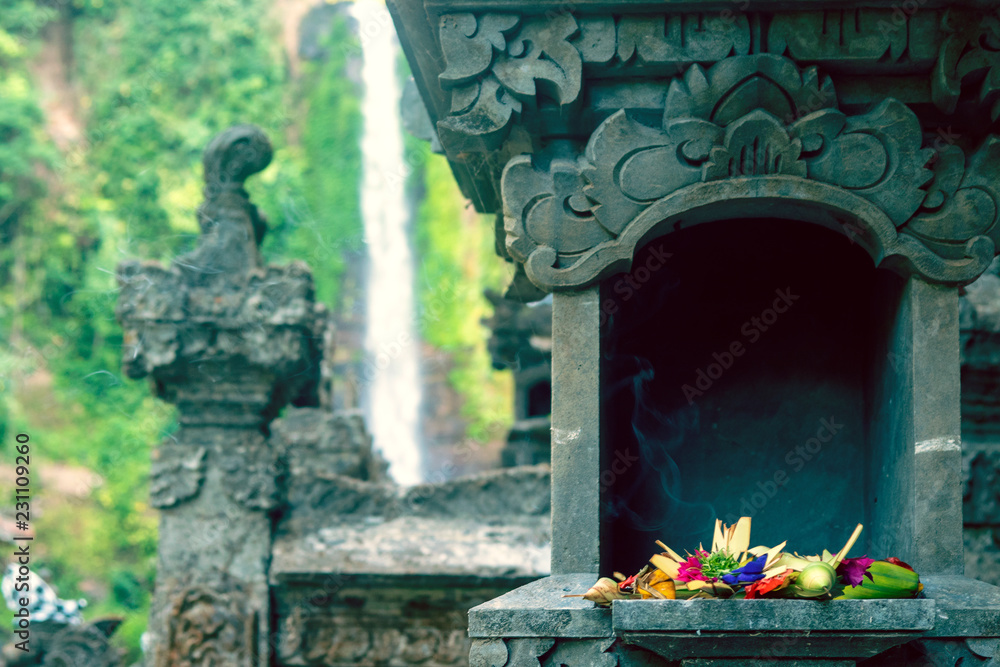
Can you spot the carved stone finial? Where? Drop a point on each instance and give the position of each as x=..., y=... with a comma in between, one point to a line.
x=229, y=341
x=232, y=227
x=233, y=156
x=226, y=338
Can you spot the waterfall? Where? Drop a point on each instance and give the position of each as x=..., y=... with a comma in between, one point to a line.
x=392, y=391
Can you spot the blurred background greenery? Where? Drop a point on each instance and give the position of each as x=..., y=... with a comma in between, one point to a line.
x=105, y=108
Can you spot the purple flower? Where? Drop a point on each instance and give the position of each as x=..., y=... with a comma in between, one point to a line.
x=752, y=571
x=854, y=570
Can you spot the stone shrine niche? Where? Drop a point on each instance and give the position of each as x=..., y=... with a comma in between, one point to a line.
x=734, y=385
x=846, y=154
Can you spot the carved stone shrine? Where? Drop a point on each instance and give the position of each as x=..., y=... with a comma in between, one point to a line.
x=755, y=220
x=281, y=540
x=229, y=341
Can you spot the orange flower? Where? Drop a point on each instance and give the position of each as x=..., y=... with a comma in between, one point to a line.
x=765, y=586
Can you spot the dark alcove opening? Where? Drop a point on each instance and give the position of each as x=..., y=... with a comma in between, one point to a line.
x=733, y=384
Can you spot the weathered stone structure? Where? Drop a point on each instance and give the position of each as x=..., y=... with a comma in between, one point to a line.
x=281, y=541
x=981, y=426
x=373, y=574
x=521, y=342
x=66, y=645
x=229, y=341
x=831, y=161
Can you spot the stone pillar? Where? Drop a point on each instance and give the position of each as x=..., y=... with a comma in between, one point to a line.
x=229, y=341
x=576, y=432
x=916, y=473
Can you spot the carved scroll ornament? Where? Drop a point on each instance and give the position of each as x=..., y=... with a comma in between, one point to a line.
x=498, y=66
x=970, y=47
x=754, y=136
x=209, y=626
x=501, y=65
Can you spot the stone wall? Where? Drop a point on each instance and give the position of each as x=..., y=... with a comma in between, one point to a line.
x=374, y=574
x=981, y=426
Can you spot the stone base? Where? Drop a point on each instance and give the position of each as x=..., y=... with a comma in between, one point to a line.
x=536, y=622
x=740, y=662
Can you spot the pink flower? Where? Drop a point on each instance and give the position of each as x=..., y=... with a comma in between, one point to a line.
x=854, y=570
x=690, y=570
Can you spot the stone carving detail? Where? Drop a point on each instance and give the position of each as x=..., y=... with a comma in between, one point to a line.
x=232, y=228
x=251, y=472
x=54, y=644
x=226, y=338
x=681, y=39
x=87, y=645
x=322, y=642
x=756, y=120
x=499, y=65
x=963, y=205
x=973, y=651
x=858, y=35
x=209, y=626
x=542, y=652
x=176, y=474
x=526, y=652
x=984, y=647
x=582, y=653
x=755, y=145
x=488, y=653
x=495, y=65
x=971, y=46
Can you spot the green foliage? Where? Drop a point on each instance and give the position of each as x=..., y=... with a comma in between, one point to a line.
x=23, y=154
x=157, y=96
x=156, y=79
x=326, y=223
x=152, y=98
x=456, y=263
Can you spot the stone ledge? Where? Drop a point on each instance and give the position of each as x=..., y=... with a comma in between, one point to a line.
x=415, y=546
x=772, y=615
x=954, y=606
x=540, y=610
x=965, y=607
x=729, y=662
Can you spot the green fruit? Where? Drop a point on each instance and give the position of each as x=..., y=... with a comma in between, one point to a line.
x=890, y=581
x=815, y=580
